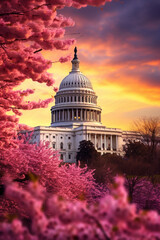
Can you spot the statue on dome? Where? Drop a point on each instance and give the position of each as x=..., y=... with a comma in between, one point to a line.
x=75, y=53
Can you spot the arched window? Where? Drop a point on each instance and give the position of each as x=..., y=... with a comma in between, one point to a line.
x=75, y=99
x=71, y=98
x=69, y=146
x=54, y=145
x=82, y=99
x=61, y=145
x=78, y=98
x=86, y=99
x=61, y=156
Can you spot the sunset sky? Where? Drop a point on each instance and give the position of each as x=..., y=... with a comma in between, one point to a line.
x=119, y=49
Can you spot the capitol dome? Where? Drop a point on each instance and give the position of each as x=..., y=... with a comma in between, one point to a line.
x=75, y=80
x=75, y=101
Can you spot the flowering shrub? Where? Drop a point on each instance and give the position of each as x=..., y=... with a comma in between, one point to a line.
x=143, y=192
x=68, y=181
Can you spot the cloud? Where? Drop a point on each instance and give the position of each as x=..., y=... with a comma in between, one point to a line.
x=122, y=34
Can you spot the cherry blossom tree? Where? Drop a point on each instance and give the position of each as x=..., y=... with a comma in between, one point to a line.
x=26, y=29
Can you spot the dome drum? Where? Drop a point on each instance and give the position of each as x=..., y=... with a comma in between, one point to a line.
x=76, y=115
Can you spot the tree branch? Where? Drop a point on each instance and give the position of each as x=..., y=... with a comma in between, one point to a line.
x=22, y=13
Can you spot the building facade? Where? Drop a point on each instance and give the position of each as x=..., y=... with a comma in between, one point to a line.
x=76, y=117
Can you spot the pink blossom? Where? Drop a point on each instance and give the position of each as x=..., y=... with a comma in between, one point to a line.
x=65, y=59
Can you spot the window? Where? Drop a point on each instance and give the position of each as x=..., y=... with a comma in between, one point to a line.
x=61, y=156
x=61, y=145
x=69, y=137
x=53, y=136
x=47, y=136
x=69, y=156
x=69, y=146
x=54, y=145
x=61, y=137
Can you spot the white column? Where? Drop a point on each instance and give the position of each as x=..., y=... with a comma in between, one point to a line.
x=77, y=114
x=105, y=143
x=59, y=115
x=95, y=141
x=111, y=143
x=101, y=142
x=81, y=115
x=68, y=113
x=72, y=115
x=116, y=143
x=85, y=118
x=93, y=115
x=62, y=115
x=52, y=117
x=56, y=116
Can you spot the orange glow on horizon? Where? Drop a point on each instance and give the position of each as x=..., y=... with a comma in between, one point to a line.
x=119, y=95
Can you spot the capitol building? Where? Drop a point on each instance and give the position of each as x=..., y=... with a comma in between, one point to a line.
x=76, y=117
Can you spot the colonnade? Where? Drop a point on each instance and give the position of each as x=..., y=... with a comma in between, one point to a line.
x=103, y=141
x=76, y=115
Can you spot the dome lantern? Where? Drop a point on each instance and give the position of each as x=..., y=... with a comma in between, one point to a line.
x=75, y=62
